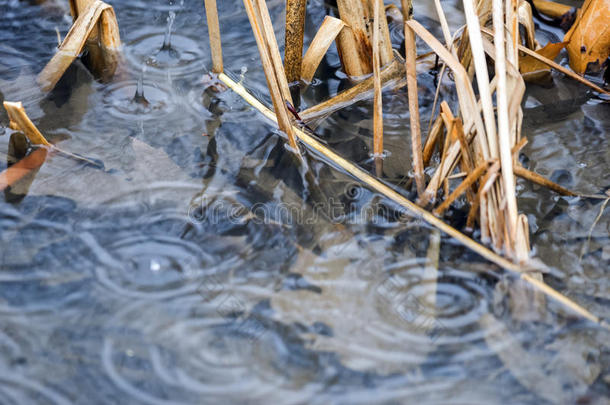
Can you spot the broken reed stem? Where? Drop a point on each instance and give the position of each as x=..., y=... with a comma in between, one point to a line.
x=375, y=184
x=72, y=46
x=295, y=31
x=412, y=93
x=377, y=100
x=464, y=185
x=358, y=92
x=327, y=33
x=20, y=121
x=540, y=180
x=433, y=135
x=353, y=43
x=386, y=53
x=211, y=12
x=278, y=101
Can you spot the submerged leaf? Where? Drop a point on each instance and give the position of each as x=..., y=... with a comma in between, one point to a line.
x=588, y=41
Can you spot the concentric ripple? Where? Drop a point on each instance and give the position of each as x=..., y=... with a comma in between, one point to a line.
x=181, y=57
x=124, y=103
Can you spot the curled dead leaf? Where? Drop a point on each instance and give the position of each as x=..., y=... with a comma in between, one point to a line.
x=588, y=41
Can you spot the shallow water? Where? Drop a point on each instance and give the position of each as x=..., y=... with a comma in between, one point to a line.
x=199, y=265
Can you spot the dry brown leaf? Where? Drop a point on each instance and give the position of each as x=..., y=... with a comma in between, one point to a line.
x=551, y=8
x=589, y=38
x=534, y=70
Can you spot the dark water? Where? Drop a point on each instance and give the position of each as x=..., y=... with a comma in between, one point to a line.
x=199, y=265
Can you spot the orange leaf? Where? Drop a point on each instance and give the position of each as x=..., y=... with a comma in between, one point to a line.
x=589, y=38
x=532, y=69
x=552, y=9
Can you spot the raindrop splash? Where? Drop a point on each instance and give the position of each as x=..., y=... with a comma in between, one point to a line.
x=139, y=98
x=167, y=41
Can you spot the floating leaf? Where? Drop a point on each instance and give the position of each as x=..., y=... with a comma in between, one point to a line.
x=589, y=38
x=534, y=70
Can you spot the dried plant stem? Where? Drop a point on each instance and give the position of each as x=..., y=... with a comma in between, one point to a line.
x=411, y=69
x=390, y=74
x=393, y=195
x=478, y=53
x=104, y=41
x=270, y=73
x=295, y=30
x=386, y=53
x=377, y=100
x=20, y=121
x=73, y=45
x=211, y=12
x=506, y=157
x=330, y=28
x=538, y=179
x=353, y=43
x=432, y=139
x=274, y=50
x=464, y=185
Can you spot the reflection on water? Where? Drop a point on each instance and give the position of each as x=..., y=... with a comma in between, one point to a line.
x=198, y=266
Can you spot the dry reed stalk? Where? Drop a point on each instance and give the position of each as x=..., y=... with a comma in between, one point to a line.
x=412, y=93
x=480, y=65
x=274, y=89
x=327, y=33
x=377, y=99
x=72, y=46
x=386, y=53
x=486, y=181
x=273, y=49
x=519, y=269
x=295, y=31
x=353, y=42
x=468, y=104
x=506, y=157
x=464, y=185
x=457, y=133
x=389, y=75
x=22, y=168
x=20, y=121
x=211, y=13
x=542, y=181
x=103, y=43
x=444, y=25
x=431, y=141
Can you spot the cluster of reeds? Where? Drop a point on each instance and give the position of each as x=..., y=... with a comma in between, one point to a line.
x=478, y=143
